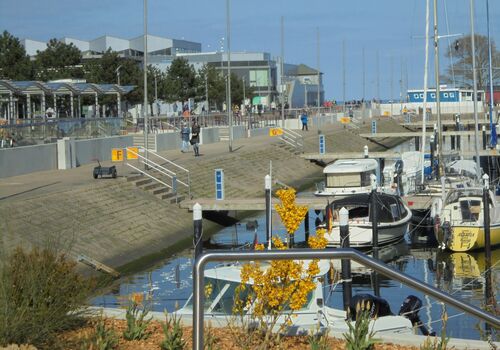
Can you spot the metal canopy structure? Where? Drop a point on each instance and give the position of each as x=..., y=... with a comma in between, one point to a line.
x=16, y=96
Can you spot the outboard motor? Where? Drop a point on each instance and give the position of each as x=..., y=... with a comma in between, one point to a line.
x=376, y=306
x=409, y=309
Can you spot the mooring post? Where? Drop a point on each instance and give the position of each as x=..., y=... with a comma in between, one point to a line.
x=452, y=142
x=374, y=218
x=267, y=187
x=485, y=141
x=365, y=151
x=417, y=143
x=432, y=145
x=487, y=239
x=306, y=226
x=346, y=263
x=458, y=128
x=198, y=230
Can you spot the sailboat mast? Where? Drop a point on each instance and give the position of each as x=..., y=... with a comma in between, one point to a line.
x=438, y=92
x=493, y=137
x=424, y=118
x=474, y=97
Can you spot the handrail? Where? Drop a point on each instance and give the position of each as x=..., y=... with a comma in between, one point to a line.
x=188, y=184
x=292, y=138
x=153, y=164
x=150, y=176
x=340, y=253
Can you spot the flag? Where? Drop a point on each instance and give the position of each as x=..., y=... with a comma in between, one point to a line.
x=255, y=240
x=329, y=217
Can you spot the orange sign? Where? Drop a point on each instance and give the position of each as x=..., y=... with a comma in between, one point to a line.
x=117, y=155
x=345, y=120
x=132, y=153
x=275, y=132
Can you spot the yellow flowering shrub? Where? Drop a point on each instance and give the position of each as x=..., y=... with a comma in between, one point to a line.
x=280, y=287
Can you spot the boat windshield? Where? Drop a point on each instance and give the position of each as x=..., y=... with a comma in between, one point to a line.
x=454, y=196
x=341, y=180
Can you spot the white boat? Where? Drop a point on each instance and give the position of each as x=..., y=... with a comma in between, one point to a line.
x=225, y=279
x=345, y=177
x=393, y=214
x=403, y=175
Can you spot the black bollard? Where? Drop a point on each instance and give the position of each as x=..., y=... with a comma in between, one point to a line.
x=487, y=239
x=306, y=226
x=198, y=230
x=374, y=219
x=458, y=127
x=417, y=143
x=267, y=186
x=452, y=142
x=346, y=263
x=432, y=144
x=485, y=141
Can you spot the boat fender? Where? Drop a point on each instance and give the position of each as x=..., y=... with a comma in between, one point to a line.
x=409, y=309
x=376, y=306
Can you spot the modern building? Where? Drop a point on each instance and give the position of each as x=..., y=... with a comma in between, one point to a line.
x=133, y=48
x=302, y=86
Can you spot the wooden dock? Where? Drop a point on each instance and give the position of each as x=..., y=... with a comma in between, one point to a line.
x=418, y=134
x=430, y=124
x=97, y=265
x=254, y=204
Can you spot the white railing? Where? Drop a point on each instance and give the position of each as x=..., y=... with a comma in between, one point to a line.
x=293, y=139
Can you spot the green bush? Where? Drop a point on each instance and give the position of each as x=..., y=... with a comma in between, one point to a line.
x=40, y=295
x=360, y=337
x=101, y=338
x=173, y=334
x=136, y=319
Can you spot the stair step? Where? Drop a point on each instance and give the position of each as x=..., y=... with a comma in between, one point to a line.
x=160, y=190
x=152, y=186
x=166, y=195
x=141, y=182
x=134, y=177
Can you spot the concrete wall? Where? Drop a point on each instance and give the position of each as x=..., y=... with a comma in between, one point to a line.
x=259, y=132
x=28, y=159
x=168, y=141
x=86, y=151
x=239, y=132
x=209, y=135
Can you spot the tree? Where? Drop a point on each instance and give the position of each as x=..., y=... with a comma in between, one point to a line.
x=180, y=82
x=14, y=63
x=461, y=65
x=104, y=71
x=58, y=61
x=211, y=79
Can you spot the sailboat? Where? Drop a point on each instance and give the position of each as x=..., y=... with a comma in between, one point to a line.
x=460, y=225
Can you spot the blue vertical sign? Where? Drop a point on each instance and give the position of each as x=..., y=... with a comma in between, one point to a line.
x=219, y=184
x=374, y=126
x=321, y=144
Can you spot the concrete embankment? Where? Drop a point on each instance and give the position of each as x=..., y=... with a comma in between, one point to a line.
x=125, y=227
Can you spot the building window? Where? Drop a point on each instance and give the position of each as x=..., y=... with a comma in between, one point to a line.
x=452, y=94
x=433, y=95
x=416, y=96
x=445, y=95
x=421, y=95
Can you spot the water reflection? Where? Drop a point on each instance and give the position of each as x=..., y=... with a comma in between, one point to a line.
x=460, y=274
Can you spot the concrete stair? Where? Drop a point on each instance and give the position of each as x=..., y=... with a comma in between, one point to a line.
x=155, y=188
x=224, y=134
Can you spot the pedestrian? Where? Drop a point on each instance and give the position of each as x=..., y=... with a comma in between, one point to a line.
x=303, y=118
x=185, y=137
x=195, y=138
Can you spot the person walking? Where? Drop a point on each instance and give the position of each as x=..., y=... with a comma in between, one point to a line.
x=303, y=118
x=195, y=138
x=185, y=137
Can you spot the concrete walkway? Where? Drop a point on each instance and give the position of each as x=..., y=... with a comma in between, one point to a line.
x=127, y=228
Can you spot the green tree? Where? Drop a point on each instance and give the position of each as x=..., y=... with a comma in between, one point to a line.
x=180, y=82
x=460, y=68
x=209, y=77
x=58, y=61
x=14, y=63
x=104, y=71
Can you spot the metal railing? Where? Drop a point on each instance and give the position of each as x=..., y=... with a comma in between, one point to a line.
x=344, y=253
x=151, y=160
x=293, y=138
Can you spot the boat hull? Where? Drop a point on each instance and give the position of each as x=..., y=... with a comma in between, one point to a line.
x=465, y=238
x=361, y=236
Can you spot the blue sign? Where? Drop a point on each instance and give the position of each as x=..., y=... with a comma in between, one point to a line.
x=219, y=184
x=321, y=144
x=374, y=126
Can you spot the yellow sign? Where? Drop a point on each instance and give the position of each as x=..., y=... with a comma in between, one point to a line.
x=275, y=132
x=132, y=153
x=345, y=120
x=117, y=155
x=387, y=114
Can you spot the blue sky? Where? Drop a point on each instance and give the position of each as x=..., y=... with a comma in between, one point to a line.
x=393, y=29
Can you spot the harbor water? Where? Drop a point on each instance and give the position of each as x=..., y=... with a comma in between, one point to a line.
x=461, y=274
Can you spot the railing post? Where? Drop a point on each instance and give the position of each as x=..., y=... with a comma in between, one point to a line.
x=487, y=239
x=198, y=230
x=374, y=218
x=267, y=187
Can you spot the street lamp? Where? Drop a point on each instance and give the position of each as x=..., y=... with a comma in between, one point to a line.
x=117, y=70
x=229, y=109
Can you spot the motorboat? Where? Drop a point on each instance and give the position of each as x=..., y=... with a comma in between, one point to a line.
x=403, y=175
x=345, y=177
x=393, y=216
x=219, y=302
x=459, y=224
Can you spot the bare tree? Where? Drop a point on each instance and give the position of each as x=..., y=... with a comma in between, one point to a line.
x=460, y=69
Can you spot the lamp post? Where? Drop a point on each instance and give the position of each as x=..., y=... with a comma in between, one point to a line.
x=229, y=109
x=117, y=70
x=145, y=68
